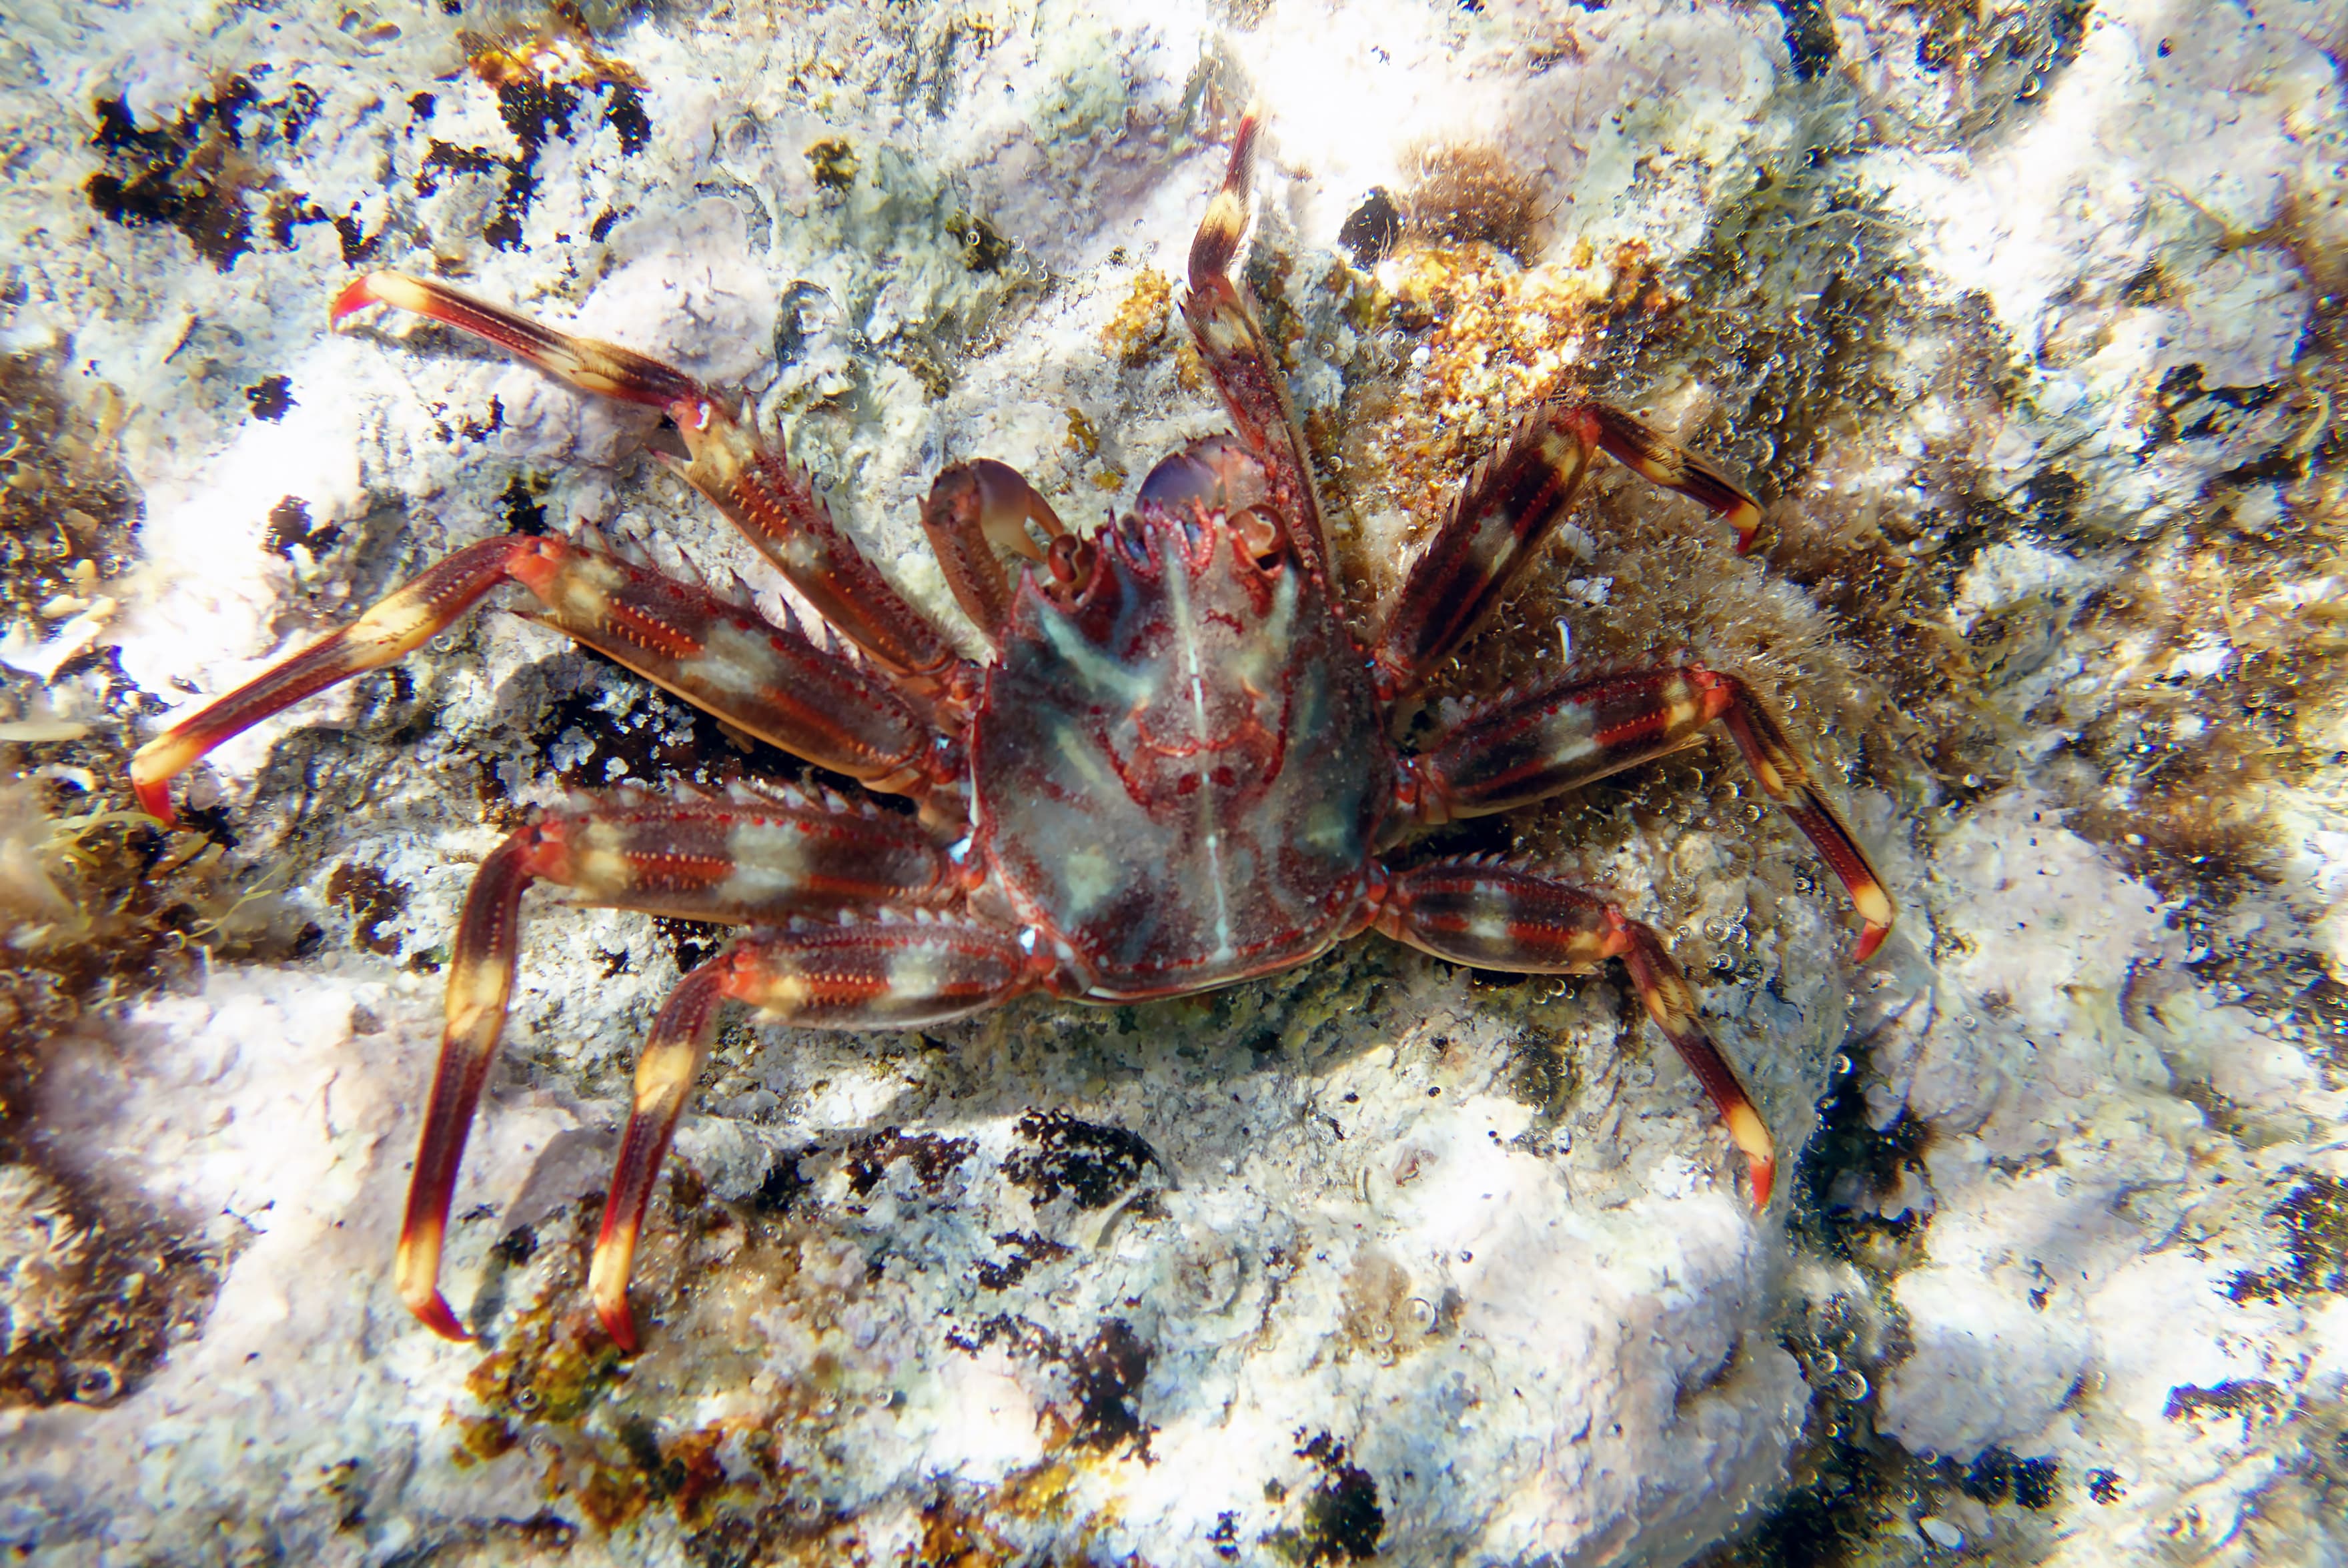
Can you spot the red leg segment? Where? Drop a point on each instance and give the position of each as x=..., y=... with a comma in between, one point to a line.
x=877, y=972
x=403, y=622
x=1561, y=736
x=741, y=858
x=722, y=657
x=1499, y=917
x=760, y=493
x=727, y=658
x=1245, y=369
x=1506, y=512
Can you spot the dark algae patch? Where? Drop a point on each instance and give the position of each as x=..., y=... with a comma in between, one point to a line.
x=1092, y=1164
x=1371, y=230
x=1027, y=1250
x=192, y=174
x=932, y=1159
x=270, y=397
x=1342, y=1522
x=542, y=81
x=290, y=525
x=1998, y=1474
x=2251, y=1400
x=2313, y=1220
x=1105, y=1373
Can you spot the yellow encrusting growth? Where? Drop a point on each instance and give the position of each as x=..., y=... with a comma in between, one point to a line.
x=1137, y=333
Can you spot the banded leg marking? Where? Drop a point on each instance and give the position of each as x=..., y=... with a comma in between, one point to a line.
x=1561, y=736
x=1500, y=918
x=722, y=657
x=1506, y=512
x=741, y=858
x=410, y=616
x=877, y=972
x=763, y=494
x=1779, y=767
x=725, y=659
x=1245, y=371
x=1662, y=461
x=481, y=983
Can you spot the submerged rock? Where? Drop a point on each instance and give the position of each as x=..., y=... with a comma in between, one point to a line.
x=2023, y=322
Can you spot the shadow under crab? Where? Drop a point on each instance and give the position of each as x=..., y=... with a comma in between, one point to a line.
x=1175, y=771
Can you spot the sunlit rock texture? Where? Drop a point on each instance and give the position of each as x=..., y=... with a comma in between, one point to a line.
x=2024, y=320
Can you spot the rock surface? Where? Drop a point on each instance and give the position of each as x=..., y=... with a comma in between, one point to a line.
x=2024, y=320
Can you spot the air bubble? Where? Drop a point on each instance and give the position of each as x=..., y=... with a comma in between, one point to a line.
x=1853, y=1385
x=1842, y=1065
x=1422, y=1314
x=1382, y=1331
x=1715, y=929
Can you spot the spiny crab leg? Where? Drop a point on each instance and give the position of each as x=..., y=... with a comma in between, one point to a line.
x=1560, y=736
x=740, y=858
x=1500, y=918
x=1505, y=513
x=760, y=493
x=1241, y=362
x=403, y=622
x=877, y=971
x=712, y=650
x=975, y=510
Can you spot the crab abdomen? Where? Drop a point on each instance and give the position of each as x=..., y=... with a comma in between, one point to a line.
x=1180, y=776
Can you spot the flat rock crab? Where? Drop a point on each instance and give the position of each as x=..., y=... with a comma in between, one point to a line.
x=1174, y=771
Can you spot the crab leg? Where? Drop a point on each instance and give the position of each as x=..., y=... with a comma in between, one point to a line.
x=975, y=510
x=1505, y=514
x=1563, y=736
x=760, y=493
x=741, y=858
x=1500, y=918
x=719, y=655
x=1233, y=348
x=396, y=626
x=885, y=971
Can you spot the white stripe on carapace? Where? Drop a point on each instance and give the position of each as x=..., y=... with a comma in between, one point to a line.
x=1088, y=874
x=1265, y=651
x=1096, y=669
x=1186, y=633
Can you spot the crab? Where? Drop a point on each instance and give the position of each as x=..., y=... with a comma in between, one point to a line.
x=1174, y=771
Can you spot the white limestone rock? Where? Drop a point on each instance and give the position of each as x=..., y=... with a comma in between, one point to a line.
x=1373, y=1256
